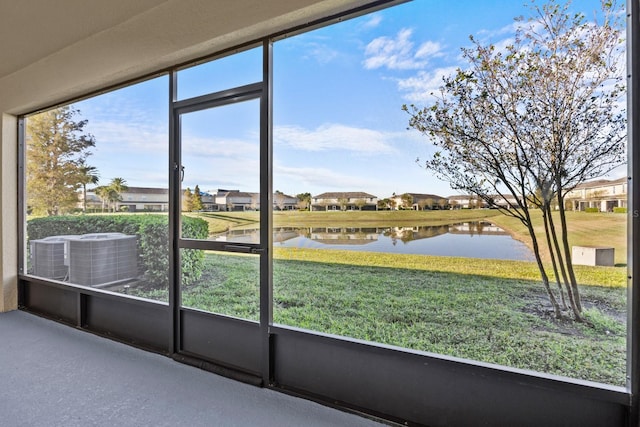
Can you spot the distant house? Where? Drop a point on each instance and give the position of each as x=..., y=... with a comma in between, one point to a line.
x=236, y=200
x=419, y=201
x=284, y=202
x=602, y=194
x=505, y=201
x=344, y=201
x=142, y=199
x=466, y=201
x=135, y=199
x=145, y=199
x=208, y=201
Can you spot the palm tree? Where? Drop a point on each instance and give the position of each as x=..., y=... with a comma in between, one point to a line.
x=103, y=193
x=87, y=175
x=117, y=186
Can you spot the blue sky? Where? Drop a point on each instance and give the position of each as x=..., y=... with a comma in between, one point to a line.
x=338, y=93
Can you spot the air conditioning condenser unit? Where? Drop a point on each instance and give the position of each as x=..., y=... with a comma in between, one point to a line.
x=50, y=257
x=101, y=259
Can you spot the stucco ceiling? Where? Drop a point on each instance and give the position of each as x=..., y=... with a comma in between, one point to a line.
x=55, y=50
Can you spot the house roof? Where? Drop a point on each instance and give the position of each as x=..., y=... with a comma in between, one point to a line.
x=497, y=197
x=460, y=197
x=346, y=195
x=139, y=190
x=601, y=183
x=421, y=196
x=142, y=190
x=286, y=196
x=236, y=194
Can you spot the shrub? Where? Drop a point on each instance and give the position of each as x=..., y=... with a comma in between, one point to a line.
x=619, y=210
x=153, y=240
x=591, y=210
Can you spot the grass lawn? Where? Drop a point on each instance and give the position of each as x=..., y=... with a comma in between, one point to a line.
x=482, y=317
x=471, y=311
x=493, y=311
x=585, y=229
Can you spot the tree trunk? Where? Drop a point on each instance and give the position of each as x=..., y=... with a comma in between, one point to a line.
x=563, y=268
x=545, y=279
x=548, y=223
x=84, y=198
x=576, y=304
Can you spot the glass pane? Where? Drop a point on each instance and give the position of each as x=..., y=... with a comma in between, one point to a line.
x=97, y=191
x=227, y=283
x=221, y=160
x=221, y=74
x=380, y=249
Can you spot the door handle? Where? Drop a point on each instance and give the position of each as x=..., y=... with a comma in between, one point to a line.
x=244, y=249
x=175, y=167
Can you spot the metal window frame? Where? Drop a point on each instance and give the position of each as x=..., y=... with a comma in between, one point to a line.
x=633, y=201
x=245, y=351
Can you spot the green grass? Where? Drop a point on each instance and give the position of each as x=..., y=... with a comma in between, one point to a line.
x=470, y=311
x=585, y=229
x=219, y=222
x=499, y=321
x=505, y=269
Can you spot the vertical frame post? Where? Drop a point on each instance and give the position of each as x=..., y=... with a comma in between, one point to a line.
x=22, y=205
x=174, y=215
x=633, y=192
x=266, y=210
x=22, y=158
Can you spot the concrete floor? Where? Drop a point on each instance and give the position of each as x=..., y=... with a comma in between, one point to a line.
x=55, y=375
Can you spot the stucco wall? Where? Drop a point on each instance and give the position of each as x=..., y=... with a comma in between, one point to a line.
x=8, y=207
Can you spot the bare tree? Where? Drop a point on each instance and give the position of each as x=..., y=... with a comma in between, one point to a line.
x=280, y=199
x=425, y=203
x=407, y=200
x=526, y=124
x=255, y=201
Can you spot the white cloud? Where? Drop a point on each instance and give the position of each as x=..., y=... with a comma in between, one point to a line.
x=398, y=53
x=128, y=137
x=373, y=21
x=509, y=29
x=220, y=148
x=334, y=137
x=429, y=49
x=321, y=53
x=420, y=87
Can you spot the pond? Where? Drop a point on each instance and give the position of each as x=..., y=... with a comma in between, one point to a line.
x=466, y=239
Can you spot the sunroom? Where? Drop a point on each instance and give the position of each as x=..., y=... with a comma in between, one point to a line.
x=393, y=317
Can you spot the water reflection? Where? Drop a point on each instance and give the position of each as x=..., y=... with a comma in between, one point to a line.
x=478, y=239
